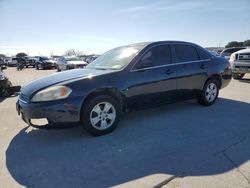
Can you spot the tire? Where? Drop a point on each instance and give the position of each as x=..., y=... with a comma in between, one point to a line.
x=37, y=68
x=40, y=67
x=209, y=93
x=99, y=123
x=237, y=76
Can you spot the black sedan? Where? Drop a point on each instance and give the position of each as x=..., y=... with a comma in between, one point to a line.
x=127, y=77
x=43, y=62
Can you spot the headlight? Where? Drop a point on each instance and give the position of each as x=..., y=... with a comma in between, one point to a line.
x=233, y=58
x=51, y=94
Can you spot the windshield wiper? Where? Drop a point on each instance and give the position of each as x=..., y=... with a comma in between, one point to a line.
x=100, y=68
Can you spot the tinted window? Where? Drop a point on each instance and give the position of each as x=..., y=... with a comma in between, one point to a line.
x=186, y=53
x=205, y=54
x=156, y=56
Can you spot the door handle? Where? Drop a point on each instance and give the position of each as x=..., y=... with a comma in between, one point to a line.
x=169, y=71
x=203, y=66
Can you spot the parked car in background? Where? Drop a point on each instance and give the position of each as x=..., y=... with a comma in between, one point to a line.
x=13, y=62
x=2, y=62
x=228, y=51
x=91, y=58
x=214, y=53
x=70, y=62
x=83, y=57
x=29, y=61
x=55, y=59
x=127, y=77
x=43, y=62
x=240, y=62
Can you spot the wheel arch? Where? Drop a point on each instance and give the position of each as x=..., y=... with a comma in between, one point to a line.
x=113, y=92
x=215, y=77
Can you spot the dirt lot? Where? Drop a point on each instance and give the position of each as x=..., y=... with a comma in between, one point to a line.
x=177, y=145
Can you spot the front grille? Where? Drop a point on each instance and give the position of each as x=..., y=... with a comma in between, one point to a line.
x=23, y=97
x=244, y=56
x=242, y=67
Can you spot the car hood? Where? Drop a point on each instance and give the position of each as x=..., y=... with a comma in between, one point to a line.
x=58, y=78
x=76, y=62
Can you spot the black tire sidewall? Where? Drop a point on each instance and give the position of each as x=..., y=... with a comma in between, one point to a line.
x=86, y=110
x=203, y=100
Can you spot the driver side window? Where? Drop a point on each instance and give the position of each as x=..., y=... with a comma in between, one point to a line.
x=156, y=56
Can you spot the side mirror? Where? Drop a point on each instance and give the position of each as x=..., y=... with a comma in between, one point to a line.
x=144, y=63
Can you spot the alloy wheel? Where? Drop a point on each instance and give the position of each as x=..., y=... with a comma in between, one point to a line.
x=103, y=115
x=211, y=92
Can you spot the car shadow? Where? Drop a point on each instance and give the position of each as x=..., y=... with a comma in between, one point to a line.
x=3, y=98
x=245, y=80
x=170, y=139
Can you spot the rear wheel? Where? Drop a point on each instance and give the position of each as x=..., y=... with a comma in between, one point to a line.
x=238, y=76
x=101, y=115
x=209, y=93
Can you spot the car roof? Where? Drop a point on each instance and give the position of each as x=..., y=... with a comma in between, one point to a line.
x=243, y=51
x=159, y=43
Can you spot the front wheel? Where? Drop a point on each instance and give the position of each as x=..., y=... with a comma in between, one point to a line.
x=209, y=93
x=101, y=115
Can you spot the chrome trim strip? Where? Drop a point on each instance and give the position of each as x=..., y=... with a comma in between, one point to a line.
x=189, y=62
x=181, y=63
x=154, y=67
x=22, y=101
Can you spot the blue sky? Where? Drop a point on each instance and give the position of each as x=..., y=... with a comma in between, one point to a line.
x=45, y=26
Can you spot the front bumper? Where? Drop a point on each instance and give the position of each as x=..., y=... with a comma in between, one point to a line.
x=61, y=111
x=241, y=67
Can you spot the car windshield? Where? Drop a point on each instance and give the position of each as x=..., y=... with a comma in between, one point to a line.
x=44, y=58
x=232, y=50
x=116, y=58
x=73, y=59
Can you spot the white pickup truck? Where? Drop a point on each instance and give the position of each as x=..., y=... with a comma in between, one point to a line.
x=240, y=62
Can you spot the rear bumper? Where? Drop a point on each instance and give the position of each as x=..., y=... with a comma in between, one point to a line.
x=54, y=111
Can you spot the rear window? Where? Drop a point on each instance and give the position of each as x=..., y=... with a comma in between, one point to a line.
x=186, y=53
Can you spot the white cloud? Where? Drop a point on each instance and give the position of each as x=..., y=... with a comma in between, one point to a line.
x=164, y=5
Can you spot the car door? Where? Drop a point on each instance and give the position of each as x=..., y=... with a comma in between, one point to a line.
x=191, y=70
x=152, y=79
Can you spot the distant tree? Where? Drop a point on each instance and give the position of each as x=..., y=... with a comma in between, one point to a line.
x=70, y=52
x=2, y=56
x=21, y=54
x=246, y=43
x=234, y=44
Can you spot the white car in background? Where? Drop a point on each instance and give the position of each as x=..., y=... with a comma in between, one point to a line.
x=13, y=62
x=240, y=63
x=70, y=62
